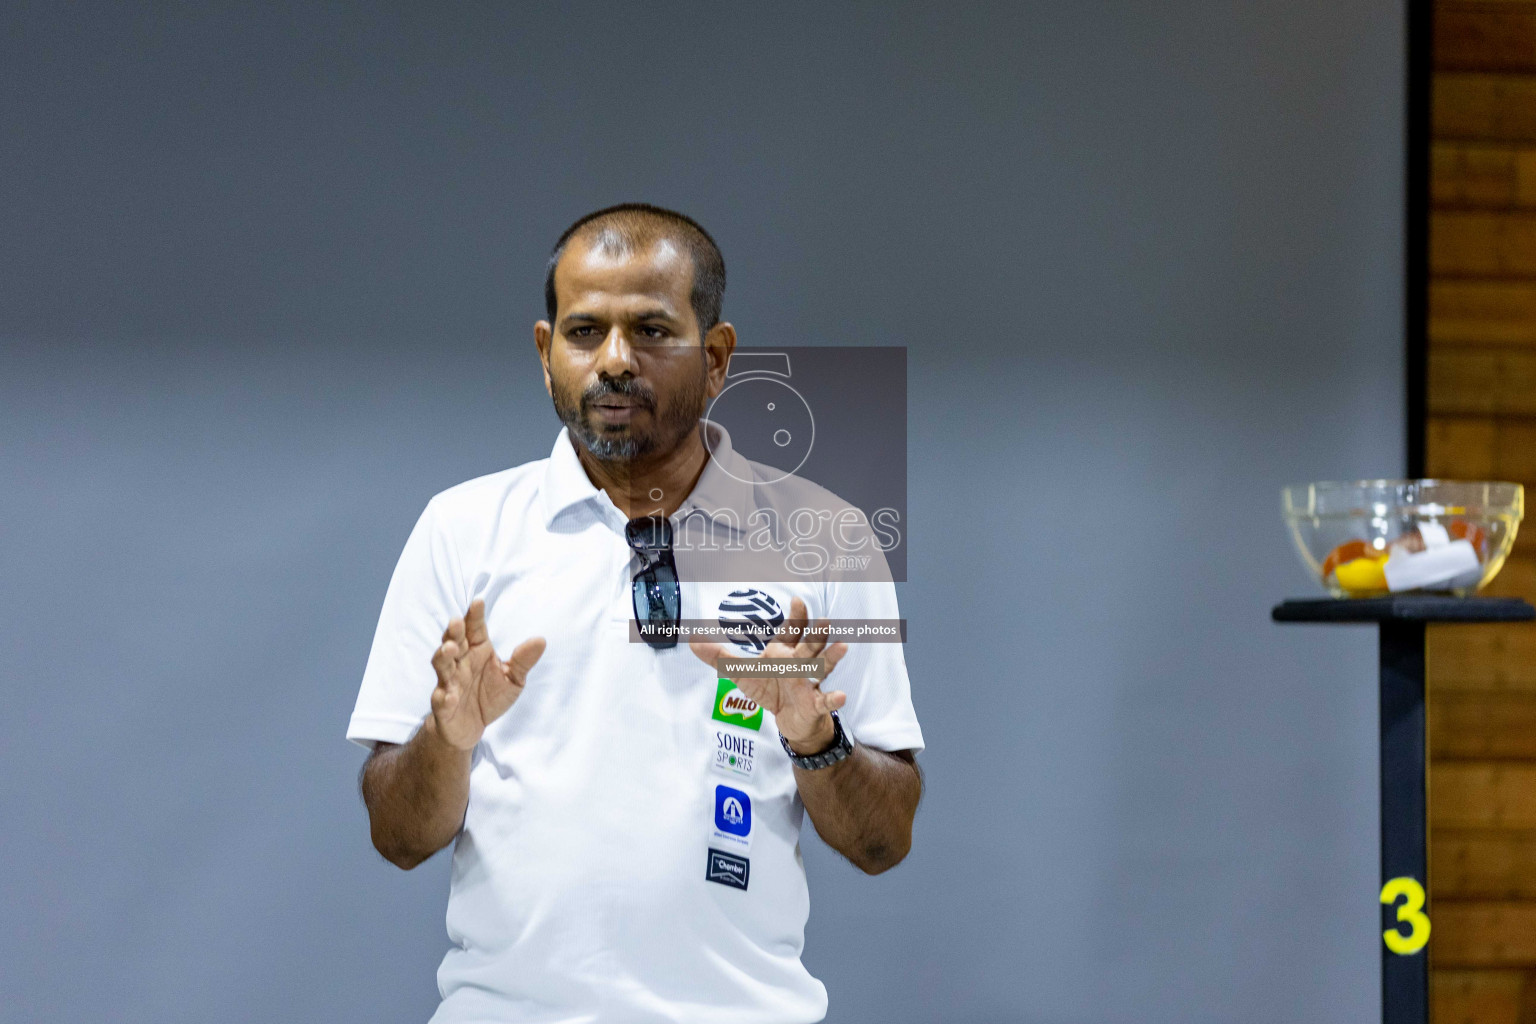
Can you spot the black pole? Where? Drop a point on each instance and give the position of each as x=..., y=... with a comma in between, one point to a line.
x=1404, y=892
x=1416, y=140
x=1404, y=828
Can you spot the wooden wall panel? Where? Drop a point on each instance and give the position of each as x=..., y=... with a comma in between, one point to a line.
x=1489, y=108
x=1482, y=448
x=1485, y=933
x=1518, y=577
x=1482, y=312
x=1483, y=794
x=1484, y=108
x=1482, y=243
x=1489, y=865
x=1478, y=997
x=1483, y=724
x=1485, y=37
x=1482, y=425
x=1466, y=175
x=1487, y=381
x=1481, y=658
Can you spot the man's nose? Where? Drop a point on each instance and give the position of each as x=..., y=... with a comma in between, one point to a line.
x=617, y=356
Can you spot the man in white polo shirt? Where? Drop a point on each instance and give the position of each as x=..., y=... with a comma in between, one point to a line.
x=625, y=822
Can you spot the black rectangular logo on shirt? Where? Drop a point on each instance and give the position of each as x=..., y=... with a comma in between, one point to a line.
x=727, y=869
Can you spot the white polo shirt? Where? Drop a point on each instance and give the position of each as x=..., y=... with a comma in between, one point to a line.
x=630, y=853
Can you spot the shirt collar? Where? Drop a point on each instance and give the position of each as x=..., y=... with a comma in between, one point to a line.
x=724, y=490
x=565, y=482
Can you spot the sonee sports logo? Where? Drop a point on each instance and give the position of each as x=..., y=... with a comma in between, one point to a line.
x=735, y=708
x=750, y=618
x=727, y=869
x=734, y=752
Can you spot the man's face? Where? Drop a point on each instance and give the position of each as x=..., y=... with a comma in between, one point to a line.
x=623, y=362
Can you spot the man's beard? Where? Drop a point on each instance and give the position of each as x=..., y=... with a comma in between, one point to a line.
x=618, y=442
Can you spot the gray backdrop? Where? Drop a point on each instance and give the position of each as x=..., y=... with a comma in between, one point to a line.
x=267, y=275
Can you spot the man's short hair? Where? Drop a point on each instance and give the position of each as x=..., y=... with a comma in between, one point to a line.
x=630, y=226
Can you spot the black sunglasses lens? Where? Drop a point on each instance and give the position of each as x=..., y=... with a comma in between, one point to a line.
x=658, y=602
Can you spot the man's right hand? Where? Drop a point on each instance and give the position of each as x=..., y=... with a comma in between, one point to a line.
x=474, y=687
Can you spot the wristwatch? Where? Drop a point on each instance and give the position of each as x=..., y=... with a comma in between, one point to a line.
x=842, y=746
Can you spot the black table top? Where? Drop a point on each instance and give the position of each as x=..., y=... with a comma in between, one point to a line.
x=1404, y=608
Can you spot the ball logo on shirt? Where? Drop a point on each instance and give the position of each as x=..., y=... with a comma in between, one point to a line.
x=750, y=618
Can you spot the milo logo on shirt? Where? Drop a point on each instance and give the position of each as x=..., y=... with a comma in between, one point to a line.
x=735, y=708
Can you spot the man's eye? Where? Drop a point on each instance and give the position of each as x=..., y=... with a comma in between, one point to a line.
x=582, y=332
x=653, y=332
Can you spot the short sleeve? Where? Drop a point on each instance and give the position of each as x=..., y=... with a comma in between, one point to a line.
x=425, y=593
x=879, y=711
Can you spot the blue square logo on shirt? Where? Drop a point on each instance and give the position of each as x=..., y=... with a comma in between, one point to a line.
x=733, y=811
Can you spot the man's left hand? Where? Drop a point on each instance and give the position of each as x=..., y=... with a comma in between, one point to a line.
x=800, y=707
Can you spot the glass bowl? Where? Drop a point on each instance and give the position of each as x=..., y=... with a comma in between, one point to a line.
x=1370, y=538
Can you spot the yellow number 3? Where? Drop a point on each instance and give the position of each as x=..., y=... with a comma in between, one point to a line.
x=1411, y=912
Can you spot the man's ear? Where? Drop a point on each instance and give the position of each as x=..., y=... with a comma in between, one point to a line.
x=719, y=343
x=543, y=334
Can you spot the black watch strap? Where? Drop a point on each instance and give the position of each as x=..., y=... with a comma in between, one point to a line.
x=842, y=746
